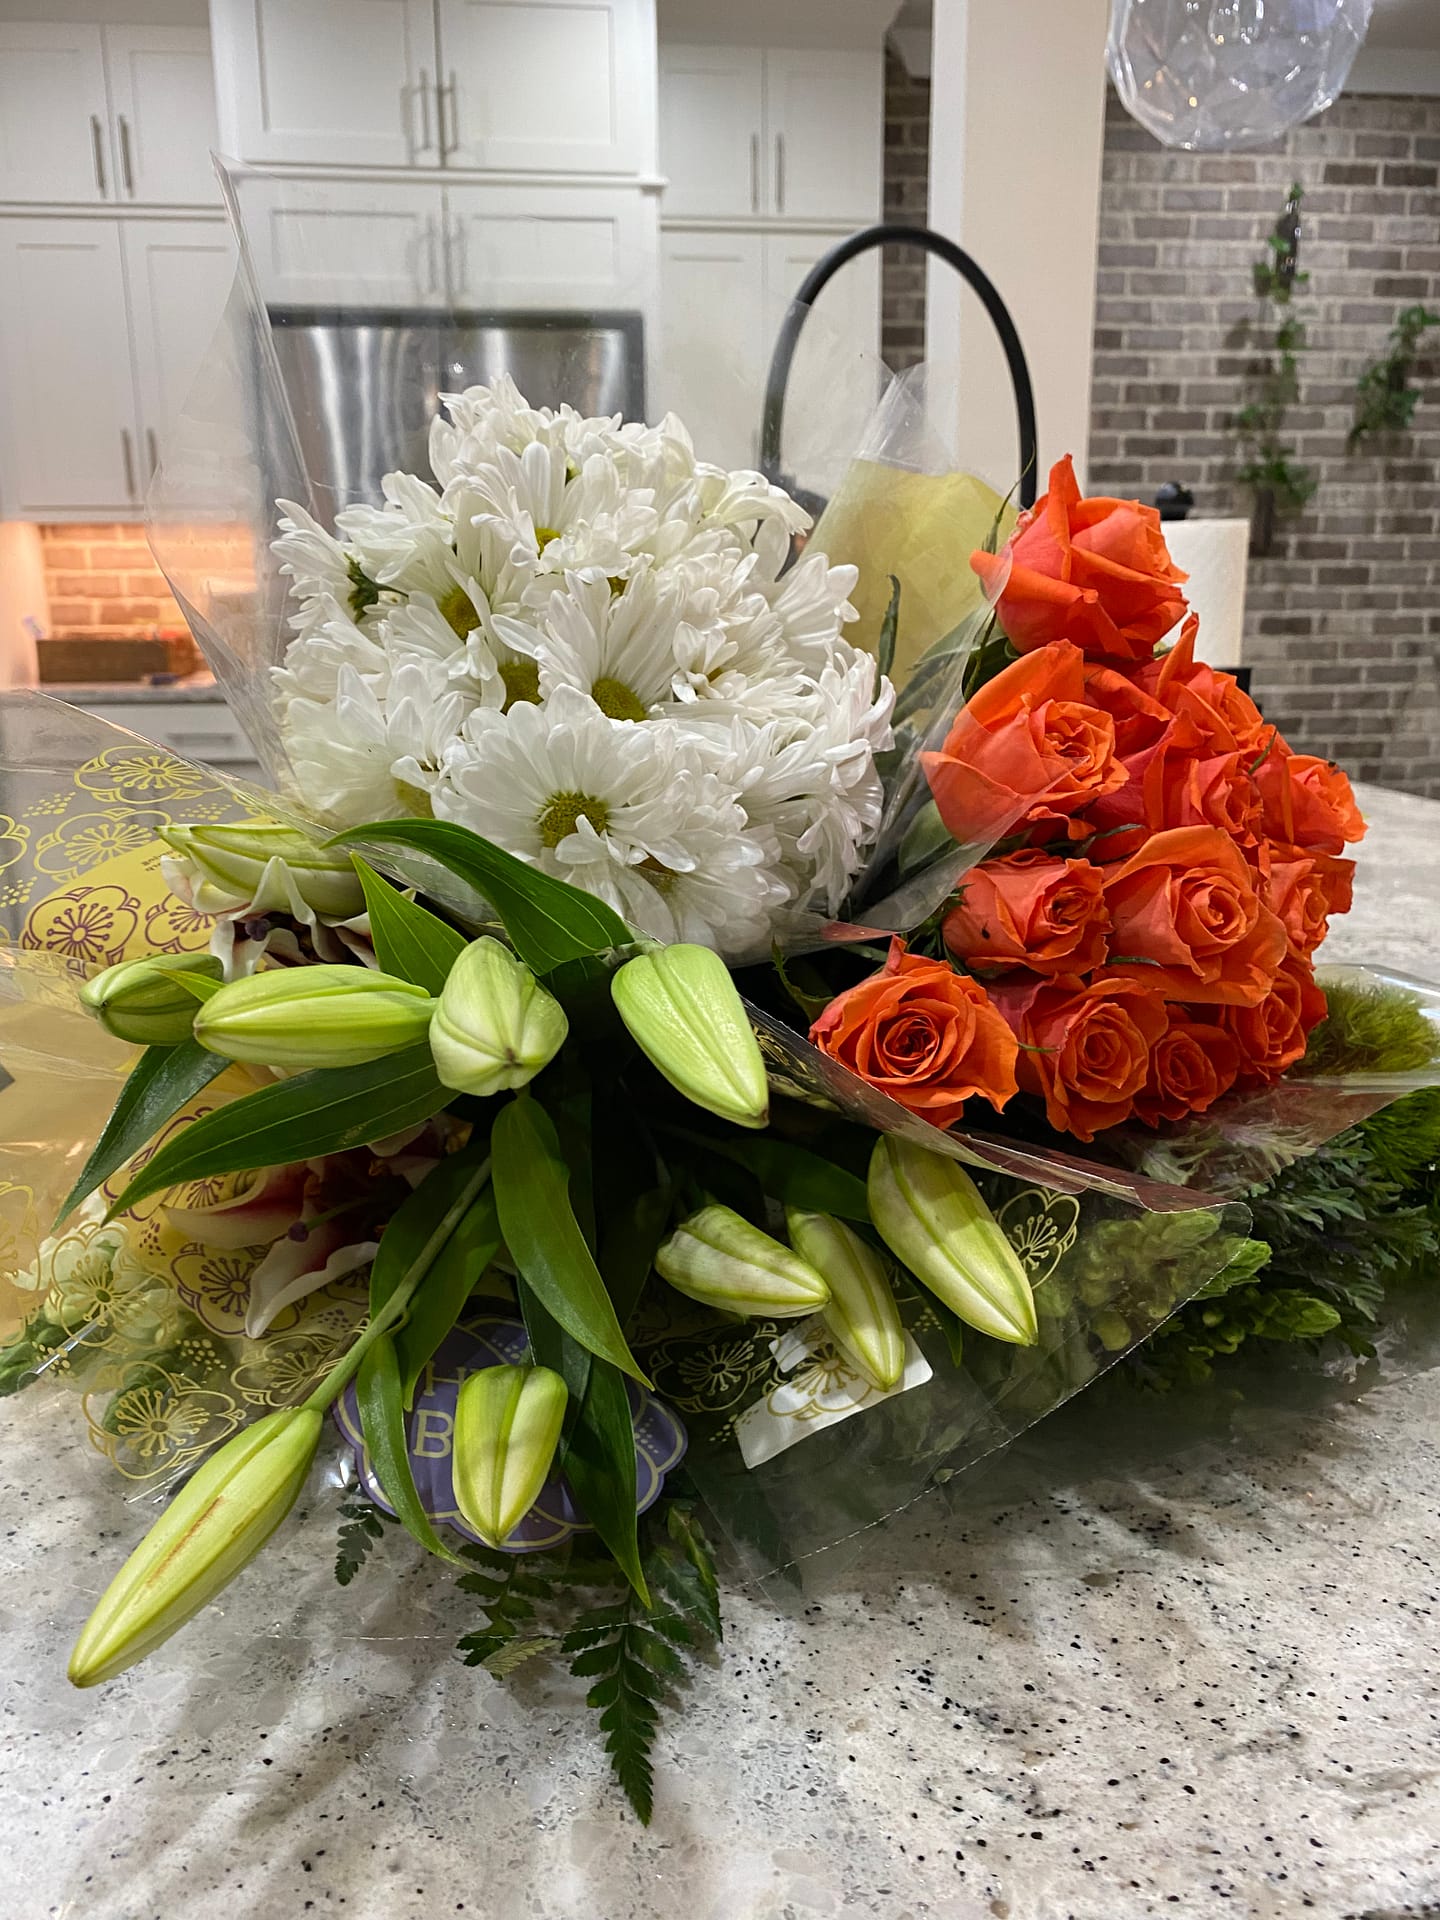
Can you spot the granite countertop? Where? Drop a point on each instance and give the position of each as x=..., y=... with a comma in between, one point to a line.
x=1143, y=1666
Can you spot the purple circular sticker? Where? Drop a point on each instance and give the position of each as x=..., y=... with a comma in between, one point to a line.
x=430, y=1427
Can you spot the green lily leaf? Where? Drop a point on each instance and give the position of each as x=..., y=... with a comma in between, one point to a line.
x=302, y=1118
x=382, y=1421
x=790, y=1174
x=532, y=1191
x=425, y=1220
x=548, y=921
x=600, y=1467
x=440, y=1300
x=409, y=940
x=889, y=629
x=162, y=1081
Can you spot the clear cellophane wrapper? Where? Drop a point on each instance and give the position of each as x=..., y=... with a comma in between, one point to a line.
x=140, y=1331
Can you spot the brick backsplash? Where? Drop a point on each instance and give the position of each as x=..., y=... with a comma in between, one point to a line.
x=104, y=578
x=907, y=198
x=1343, y=616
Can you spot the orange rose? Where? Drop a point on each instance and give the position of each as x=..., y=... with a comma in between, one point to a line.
x=1093, y=571
x=1170, y=784
x=1033, y=910
x=1187, y=920
x=1308, y=802
x=1085, y=1050
x=924, y=1034
x=1140, y=719
x=1191, y=1065
x=1271, y=1036
x=1027, y=747
x=1304, y=889
x=1214, y=703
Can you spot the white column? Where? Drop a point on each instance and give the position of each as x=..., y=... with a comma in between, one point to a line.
x=1017, y=123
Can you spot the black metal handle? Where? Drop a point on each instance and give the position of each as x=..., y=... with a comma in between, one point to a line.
x=887, y=233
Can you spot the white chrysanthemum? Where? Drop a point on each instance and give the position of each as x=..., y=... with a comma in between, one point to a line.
x=627, y=811
x=583, y=646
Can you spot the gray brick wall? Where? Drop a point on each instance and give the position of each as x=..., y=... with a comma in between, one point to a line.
x=1343, y=617
x=907, y=163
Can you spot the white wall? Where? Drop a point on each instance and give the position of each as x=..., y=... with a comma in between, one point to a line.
x=1017, y=127
x=22, y=594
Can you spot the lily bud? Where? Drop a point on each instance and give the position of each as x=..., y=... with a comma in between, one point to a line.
x=684, y=1012
x=507, y=1427
x=218, y=1521
x=719, y=1259
x=861, y=1314
x=931, y=1216
x=321, y=1016
x=234, y=862
x=495, y=1026
x=142, y=1001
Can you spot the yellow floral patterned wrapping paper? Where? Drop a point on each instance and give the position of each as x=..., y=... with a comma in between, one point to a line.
x=147, y=1325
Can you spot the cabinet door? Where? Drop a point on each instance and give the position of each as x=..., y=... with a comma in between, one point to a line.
x=337, y=82
x=54, y=124
x=548, y=86
x=339, y=243
x=836, y=376
x=541, y=248
x=824, y=126
x=177, y=276
x=713, y=341
x=67, y=404
x=712, y=152
x=162, y=98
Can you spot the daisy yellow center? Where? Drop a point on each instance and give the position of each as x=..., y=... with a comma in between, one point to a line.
x=544, y=535
x=563, y=812
x=661, y=877
x=522, y=683
x=616, y=700
x=457, y=610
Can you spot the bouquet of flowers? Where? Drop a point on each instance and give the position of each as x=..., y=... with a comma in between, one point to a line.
x=562, y=1091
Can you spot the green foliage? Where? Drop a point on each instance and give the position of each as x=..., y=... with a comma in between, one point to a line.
x=1271, y=470
x=25, y=1353
x=1385, y=401
x=1371, y=1029
x=364, y=592
x=889, y=629
x=1341, y=1226
x=361, y=1525
x=409, y=940
x=634, y=1653
x=162, y=1081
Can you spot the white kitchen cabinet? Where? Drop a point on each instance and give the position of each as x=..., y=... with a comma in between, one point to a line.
x=724, y=293
x=162, y=102
x=106, y=115
x=774, y=133
x=532, y=246
x=197, y=727
x=548, y=86
x=347, y=243
x=178, y=275
x=67, y=402
x=334, y=82
x=824, y=123
x=713, y=343
x=712, y=141
x=54, y=118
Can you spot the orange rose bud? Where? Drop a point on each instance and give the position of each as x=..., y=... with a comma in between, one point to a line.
x=1031, y=909
x=1027, y=747
x=1187, y=922
x=1272, y=1036
x=1308, y=802
x=1191, y=1065
x=1085, y=1050
x=1224, y=717
x=924, y=1034
x=1093, y=571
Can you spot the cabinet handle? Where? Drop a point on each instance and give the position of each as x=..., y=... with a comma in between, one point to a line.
x=424, y=148
x=127, y=159
x=460, y=265
x=754, y=173
x=432, y=254
x=449, y=138
x=780, y=173
x=127, y=454
x=97, y=148
x=152, y=450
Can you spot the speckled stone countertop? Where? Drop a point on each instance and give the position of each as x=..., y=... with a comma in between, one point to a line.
x=1159, y=1661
